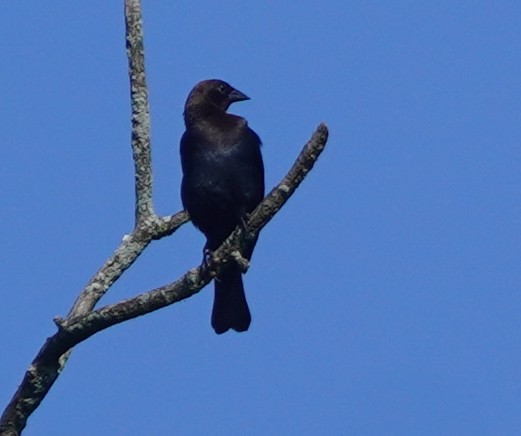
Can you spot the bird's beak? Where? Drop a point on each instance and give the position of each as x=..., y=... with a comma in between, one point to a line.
x=236, y=95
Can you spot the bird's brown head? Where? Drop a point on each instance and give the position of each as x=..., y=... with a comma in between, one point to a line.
x=210, y=96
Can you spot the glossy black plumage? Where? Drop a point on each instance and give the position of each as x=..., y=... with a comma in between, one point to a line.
x=223, y=180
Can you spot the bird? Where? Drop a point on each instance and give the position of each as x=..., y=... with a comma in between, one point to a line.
x=223, y=181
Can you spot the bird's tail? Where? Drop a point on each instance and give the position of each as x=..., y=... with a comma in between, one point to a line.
x=230, y=308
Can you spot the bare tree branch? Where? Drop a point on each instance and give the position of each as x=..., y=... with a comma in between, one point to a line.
x=44, y=370
x=76, y=328
x=82, y=321
x=140, y=110
x=124, y=256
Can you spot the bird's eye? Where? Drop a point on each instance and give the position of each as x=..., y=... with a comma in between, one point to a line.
x=222, y=89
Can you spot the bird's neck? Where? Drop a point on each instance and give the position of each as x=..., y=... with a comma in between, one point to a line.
x=199, y=112
x=206, y=115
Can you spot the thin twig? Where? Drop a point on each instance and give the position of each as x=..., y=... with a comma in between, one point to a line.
x=140, y=110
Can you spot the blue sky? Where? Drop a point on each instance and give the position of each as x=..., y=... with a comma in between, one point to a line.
x=385, y=295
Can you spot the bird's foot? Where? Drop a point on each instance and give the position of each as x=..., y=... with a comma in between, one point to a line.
x=243, y=263
x=209, y=257
x=244, y=225
x=209, y=260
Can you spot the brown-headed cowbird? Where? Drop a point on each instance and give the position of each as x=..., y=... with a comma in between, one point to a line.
x=223, y=181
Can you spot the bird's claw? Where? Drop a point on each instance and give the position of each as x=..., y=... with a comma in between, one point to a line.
x=242, y=262
x=209, y=260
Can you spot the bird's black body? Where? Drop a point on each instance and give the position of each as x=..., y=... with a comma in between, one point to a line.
x=223, y=180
